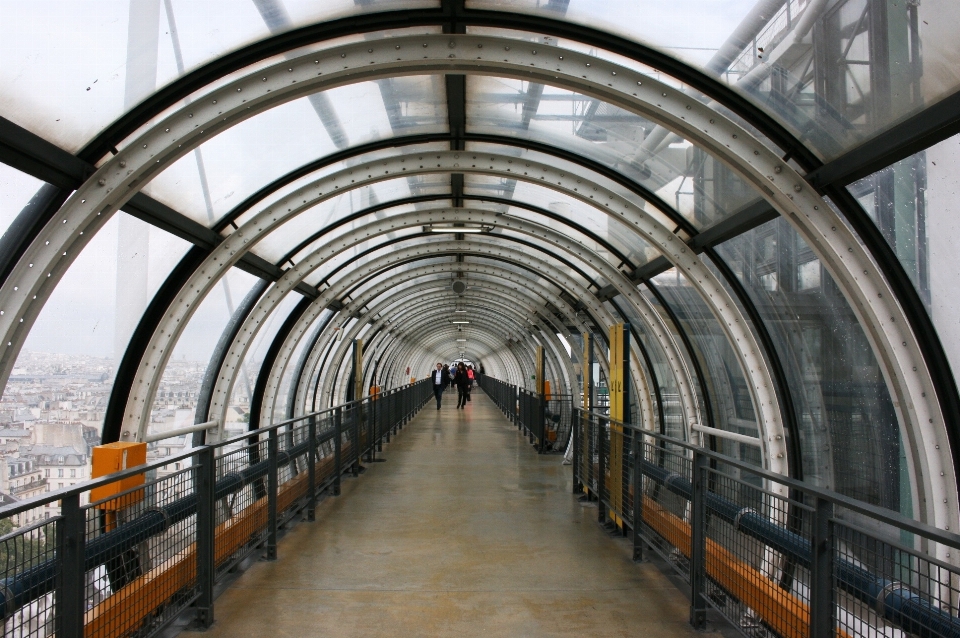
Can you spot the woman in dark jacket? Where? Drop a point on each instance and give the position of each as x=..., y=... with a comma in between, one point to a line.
x=462, y=382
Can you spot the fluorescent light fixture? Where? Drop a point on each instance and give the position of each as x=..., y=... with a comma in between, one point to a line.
x=456, y=229
x=464, y=340
x=463, y=311
x=459, y=322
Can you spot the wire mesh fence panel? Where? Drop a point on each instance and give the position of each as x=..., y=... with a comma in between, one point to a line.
x=887, y=578
x=241, y=502
x=666, y=515
x=30, y=573
x=136, y=582
x=754, y=582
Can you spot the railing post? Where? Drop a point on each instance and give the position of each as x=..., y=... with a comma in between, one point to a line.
x=822, y=602
x=601, y=472
x=337, y=449
x=70, y=603
x=312, y=467
x=273, y=451
x=636, y=452
x=698, y=538
x=577, y=465
x=206, y=478
x=355, y=433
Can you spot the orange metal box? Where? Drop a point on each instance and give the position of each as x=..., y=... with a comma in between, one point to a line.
x=113, y=457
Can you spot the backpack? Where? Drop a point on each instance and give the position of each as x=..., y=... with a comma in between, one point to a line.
x=470, y=374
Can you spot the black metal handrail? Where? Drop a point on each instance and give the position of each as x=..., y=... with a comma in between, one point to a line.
x=190, y=517
x=832, y=564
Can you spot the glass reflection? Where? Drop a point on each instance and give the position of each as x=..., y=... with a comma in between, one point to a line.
x=837, y=387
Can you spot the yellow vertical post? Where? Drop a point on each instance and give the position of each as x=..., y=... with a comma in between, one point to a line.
x=619, y=388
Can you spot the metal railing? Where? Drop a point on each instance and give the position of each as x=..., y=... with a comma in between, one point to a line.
x=130, y=564
x=545, y=420
x=775, y=556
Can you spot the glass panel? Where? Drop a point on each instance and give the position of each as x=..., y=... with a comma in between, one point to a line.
x=606, y=227
x=224, y=171
x=836, y=75
x=253, y=360
x=838, y=390
x=16, y=190
x=71, y=68
x=62, y=379
x=729, y=394
x=684, y=177
x=914, y=203
x=669, y=393
x=280, y=408
x=176, y=401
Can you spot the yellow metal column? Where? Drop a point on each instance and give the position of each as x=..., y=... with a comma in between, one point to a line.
x=619, y=411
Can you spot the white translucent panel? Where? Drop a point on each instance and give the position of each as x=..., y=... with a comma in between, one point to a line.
x=856, y=73
x=65, y=372
x=633, y=146
x=286, y=242
x=579, y=213
x=240, y=160
x=70, y=67
x=231, y=166
x=16, y=190
x=359, y=199
x=543, y=251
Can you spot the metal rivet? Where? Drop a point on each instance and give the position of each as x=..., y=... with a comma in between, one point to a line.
x=797, y=187
x=777, y=169
x=102, y=182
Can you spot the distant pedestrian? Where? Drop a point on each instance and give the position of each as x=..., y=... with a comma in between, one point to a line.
x=446, y=377
x=462, y=382
x=439, y=383
x=472, y=377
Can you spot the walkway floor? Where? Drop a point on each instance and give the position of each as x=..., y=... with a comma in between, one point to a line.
x=464, y=531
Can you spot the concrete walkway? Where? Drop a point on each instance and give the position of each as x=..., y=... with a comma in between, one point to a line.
x=464, y=531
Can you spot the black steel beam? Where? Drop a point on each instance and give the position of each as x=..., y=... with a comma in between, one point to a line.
x=922, y=130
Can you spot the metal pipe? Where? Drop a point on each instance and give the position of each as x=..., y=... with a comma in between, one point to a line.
x=169, y=434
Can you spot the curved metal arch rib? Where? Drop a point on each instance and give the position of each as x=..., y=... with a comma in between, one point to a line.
x=501, y=253
x=599, y=314
x=835, y=244
x=270, y=300
x=497, y=323
x=495, y=311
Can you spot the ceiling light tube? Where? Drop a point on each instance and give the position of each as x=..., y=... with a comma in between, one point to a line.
x=459, y=321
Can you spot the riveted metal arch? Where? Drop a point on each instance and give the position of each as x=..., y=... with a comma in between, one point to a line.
x=269, y=301
x=364, y=233
x=497, y=320
x=384, y=349
x=489, y=292
x=570, y=314
x=835, y=244
x=142, y=163
x=390, y=284
x=490, y=295
x=521, y=283
x=497, y=312
x=600, y=315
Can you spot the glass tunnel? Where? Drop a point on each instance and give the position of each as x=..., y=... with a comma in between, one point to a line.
x=699, y=251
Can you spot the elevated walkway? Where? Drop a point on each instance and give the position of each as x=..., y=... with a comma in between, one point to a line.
x=464, y=531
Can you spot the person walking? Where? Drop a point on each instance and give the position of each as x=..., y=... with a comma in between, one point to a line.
x=471, y=377
x=446, y=377
x=439, y=383
x=463, y=385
